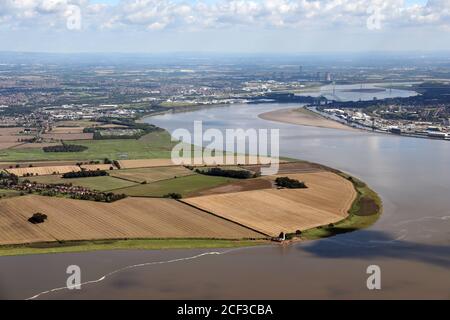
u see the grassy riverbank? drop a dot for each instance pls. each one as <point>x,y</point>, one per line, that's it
<point>132,244</point>
<point>365,211</point>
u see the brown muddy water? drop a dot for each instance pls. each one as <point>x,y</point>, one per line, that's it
<point>410,242</point>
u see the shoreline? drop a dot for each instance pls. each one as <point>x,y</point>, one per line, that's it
<point>360,215</point>
<point>76,246</point>
<point>304,117</point>
<point>364,211</point>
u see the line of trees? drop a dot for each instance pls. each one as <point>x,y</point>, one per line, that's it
<point>99,197</point>
<point>85,174</point>
<point>229,173</point>
<point>65,148</point>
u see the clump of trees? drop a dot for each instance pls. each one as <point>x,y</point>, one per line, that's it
<point>65,148</point>
<point>286,182</point>
<point>230,173</point>
<point>173,195</point>
<point>117,164</point>
<point>8,179</point>
<point>38,218</point>
<point>85,174</point>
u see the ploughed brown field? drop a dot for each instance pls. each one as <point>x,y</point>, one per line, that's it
<point>271,211</point>
<point>10,137</point>
<point>128,218</point>
<point>237,186</point>
<point>10,131</point>
<point>7,145</point>
<point>35,145</point>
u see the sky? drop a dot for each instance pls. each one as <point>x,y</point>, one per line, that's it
<point>250,26</point>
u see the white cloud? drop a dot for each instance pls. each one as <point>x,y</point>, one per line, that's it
<point>162,14</point>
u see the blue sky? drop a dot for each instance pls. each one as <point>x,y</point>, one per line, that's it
<point>224,25</point>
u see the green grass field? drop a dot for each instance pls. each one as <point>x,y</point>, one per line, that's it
<point>137,244</point>
<point>183,185</point>
<point>4,193</point>
<point>174,104</point>
<point>97,183</point>
<point>153,145</point>
<point>151,174</point>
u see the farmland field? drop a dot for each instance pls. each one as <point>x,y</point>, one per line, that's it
<point>67,136</point>
<point>8,193</point>
<point>144,163</point>
<point>157,145</point>
<point>183,185</point>
<point>34,145</point>
<point>66,130</point>
<point>205,161</point>
<point>104,183</point>
<point>10,137</point>
<point>151,174</point>
<point>78,123</point>
<point>129,218</point>
<point>5,165</point>
<point>326,200</point>
<point>238,185</point>
<point>290,166</point>
<point>7,145</point>
<point>100,166</point>
<point>43,170</point>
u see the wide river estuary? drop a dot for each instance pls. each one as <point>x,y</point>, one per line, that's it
<point>410,242</point>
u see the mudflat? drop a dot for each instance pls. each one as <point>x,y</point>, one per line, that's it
<point>304,117</point>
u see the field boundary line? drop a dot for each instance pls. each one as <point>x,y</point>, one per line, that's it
<point>229,220</point>
<point>121,178</point>
<point>139,182</point>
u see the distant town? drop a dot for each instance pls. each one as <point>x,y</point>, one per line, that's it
<point>36,96</point>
